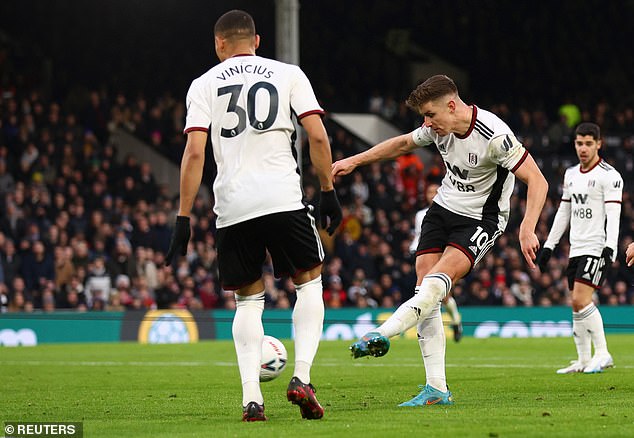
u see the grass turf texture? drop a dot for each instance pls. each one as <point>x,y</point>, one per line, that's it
<point>501,387</point>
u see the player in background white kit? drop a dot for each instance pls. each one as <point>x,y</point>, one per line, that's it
<point>591,204</point>
<point>450,304</point>
<point>247,103</point>
<point>470,210</point>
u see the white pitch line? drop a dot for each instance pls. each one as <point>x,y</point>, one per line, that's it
<point>232,364</point>
<point>104,363</point>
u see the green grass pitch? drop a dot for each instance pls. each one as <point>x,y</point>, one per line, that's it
<point>501,387</point>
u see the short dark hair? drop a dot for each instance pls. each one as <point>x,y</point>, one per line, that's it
<point>588,128</point>
<point>235,24</point>
<point>433,88</point>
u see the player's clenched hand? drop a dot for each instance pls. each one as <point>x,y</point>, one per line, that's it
<point>329,208</point>
<point>343,167</point>
<point>529,244</point>
<point>629,254</point>
<point>180,239</point>
<point>542,259</point>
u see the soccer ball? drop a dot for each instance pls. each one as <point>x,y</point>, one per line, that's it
<point>274,358</point>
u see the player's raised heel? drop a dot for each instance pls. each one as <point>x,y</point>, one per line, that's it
<point>253,412</point>
<point>429,395</point>
<point>303,395</point>
<point>372,344</point>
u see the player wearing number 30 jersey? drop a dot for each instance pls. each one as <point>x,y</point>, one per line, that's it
<point>248,103</point>
<point>591,204</point>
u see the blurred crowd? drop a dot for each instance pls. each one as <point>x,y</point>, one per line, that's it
<point>83,228</point>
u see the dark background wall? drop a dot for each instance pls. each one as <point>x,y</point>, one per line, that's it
<point>519,52</point>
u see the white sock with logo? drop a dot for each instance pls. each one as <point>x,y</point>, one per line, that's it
<point>308,322</point>
<point>432,289</point>
<point>581,335</point>
<point>248,334</point>
<point>432,342</point>
<point>594,324</point>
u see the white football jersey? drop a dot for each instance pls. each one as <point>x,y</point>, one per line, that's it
<point>479,179</point>
<point>584,197</point>
<point>248,101</point>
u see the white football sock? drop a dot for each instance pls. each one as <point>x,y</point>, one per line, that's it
<point>308,323</point>
<point>432,289</point>
<point>432,342</point>
<point>248,334</point>
<point>594,324</point>
<point>581,336</point>
<point>452,310</point>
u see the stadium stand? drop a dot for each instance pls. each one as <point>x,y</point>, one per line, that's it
<point>84,228</point>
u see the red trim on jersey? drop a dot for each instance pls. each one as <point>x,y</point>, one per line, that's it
<point>466,252</point>
<point>310,113</point>
<point>429,251</point>
<point>474,116</point>
<point>586,282</point>
<point>595,165</point>
<point>519,163</point>
<point>616,202</point>
<point>195,128</point>
<point>243,54</point>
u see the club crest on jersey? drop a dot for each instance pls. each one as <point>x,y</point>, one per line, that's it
<point>473,159</point>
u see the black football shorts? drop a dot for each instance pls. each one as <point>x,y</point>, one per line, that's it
<point>589,270</point>
<point>291,238</point>
<point>442,228</point>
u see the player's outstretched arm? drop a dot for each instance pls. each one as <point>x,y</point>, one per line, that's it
<point>386,150</point>
<point>535,198</point>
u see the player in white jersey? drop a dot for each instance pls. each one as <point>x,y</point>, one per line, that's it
<point>450,304</point>
<point>591,204</point>
<point>629,254</point>
<point>247,102</point>
<point>469,212</point>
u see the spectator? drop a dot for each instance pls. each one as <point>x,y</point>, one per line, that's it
<point>334,293</point>
<point>98,283</point>
<point>64,268</point>
<point>37,267</point>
